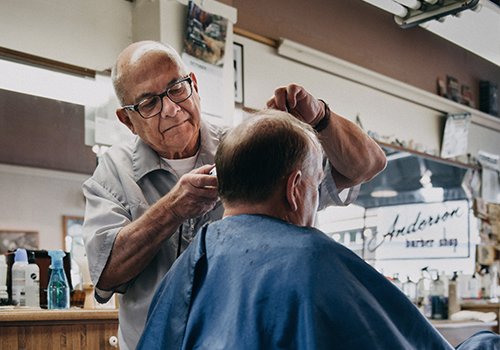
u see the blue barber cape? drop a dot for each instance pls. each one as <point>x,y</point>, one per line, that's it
<point>257,282</point>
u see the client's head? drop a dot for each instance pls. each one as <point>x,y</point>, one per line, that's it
<point>270,164</point>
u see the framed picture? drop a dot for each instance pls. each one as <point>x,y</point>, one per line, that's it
<point>72,235</point>
<point>11,240</point>
<point>238,72</point>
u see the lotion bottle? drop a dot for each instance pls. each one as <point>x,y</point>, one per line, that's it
<point>32,282</point>
<point>3,278</point>
<point>19,277</point>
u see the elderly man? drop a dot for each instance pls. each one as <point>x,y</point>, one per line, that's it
<point>148,197</point>
<point>262,278</point>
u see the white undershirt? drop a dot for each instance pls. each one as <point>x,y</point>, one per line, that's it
<point>182,166</point>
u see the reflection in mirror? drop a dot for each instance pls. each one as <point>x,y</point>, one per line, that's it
<point>412,177</point>
<point>413,188</point>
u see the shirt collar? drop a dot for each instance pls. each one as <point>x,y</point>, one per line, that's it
<point>146,160</point>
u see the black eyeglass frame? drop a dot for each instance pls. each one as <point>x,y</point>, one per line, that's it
<point>161,96</point>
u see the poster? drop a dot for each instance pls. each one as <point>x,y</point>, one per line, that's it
<point>421,231</point>
<point>204,51</point>
<point>205,35</point>
<point>456,133</point>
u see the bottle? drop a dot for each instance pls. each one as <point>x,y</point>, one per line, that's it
<point>486,285</point>
<point>423,286</point>
<point>410,289</point>
<point>3,278</point>
<point>453,296</point>
<point>397,282</point>
<point>19,277</point>
<point>58,288</point>
<point>32,282</point>
<point>475,287</point>
<point>437,299</point>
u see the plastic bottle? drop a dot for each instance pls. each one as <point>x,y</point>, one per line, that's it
<point>397,282</point>
<point>486,285</point>
<point>423,286</point>
<point>475,287</point>
<point>32,282</point>
<point>410,289</point>
<point>58,288</point>
<point>3,278</point>
<point>453,296</point>
<point>437,299</point>
<point>19,277</point>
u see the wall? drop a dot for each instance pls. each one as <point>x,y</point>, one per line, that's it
<point>36,199</point>
<point>88,33</point>
<point>386,114</point>
<point>360,33</point>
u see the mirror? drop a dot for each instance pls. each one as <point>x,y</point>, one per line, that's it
<point>413,177</point>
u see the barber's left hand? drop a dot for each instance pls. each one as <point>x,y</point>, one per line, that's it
<point>295,100</point>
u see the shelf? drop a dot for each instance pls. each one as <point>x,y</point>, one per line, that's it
<point>429,156</point>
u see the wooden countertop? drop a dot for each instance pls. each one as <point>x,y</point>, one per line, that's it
<point>29,315</point>
<point>441,324</point>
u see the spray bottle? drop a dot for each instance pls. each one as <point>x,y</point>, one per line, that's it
<point>19,277</point>
<point>397,282</point>
<point>437,298</point>
<point>32,282</point>
<point>58,288</point>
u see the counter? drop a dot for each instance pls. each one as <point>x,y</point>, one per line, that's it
<point>483,306</point>
<point>40,329</point>
<point>458,331</point>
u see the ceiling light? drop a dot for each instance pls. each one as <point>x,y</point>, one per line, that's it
<point>412,4</point>
<point>389,6</point>
<point>432,11</point>
<point>383,192</point>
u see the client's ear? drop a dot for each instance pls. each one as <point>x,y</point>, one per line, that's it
<point>292,191</point>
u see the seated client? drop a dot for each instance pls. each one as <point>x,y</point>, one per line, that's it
<point>263,278</point>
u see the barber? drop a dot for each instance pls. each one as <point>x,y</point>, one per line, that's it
<point>149,196</point>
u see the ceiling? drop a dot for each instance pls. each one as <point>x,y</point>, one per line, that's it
<point>403,174</point>
<point>476,30</point>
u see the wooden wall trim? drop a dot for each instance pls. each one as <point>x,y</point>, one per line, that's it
<point>45,62</point>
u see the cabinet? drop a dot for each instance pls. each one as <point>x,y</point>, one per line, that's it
<point>57,329</point>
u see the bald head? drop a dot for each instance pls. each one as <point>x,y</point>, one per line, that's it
<point>253,160</point>
<point>139,58</point>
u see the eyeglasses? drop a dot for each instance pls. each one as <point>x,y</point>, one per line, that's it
<point>152,106</point>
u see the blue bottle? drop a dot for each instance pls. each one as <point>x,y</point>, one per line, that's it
<point>58,288</point>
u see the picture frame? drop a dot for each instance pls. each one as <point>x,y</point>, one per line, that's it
<point>238,72</point>
<point>72,235</point>
<point>10,240</point>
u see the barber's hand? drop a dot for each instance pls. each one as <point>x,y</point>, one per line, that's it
<point>194,194</point>
<point>295,100</point>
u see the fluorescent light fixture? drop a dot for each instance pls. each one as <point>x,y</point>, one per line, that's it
<point>434,11</point>
<point>412,4</point>
<point>389,6</point>
<point>383,192</point>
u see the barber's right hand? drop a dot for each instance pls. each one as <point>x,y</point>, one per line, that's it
<point>194,194</point>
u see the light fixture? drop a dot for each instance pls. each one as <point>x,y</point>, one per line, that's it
<point>389,6</point>
<point>434,10</point>
<point>384,190</point>
<point>411,4</point>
